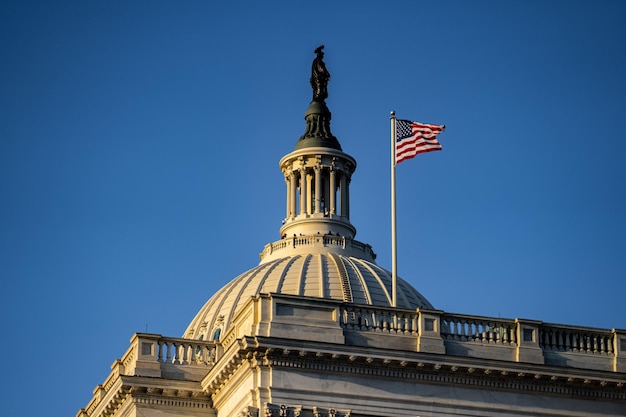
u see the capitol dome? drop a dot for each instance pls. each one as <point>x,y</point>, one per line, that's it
<point>328,275</point>
<point>317,255</point>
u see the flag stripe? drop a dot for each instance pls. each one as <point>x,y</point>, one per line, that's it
<point>413,138</point>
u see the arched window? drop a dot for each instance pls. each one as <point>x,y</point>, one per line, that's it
<point>216,334</point>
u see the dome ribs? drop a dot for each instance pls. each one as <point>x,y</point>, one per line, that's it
<point>283,275</point>
<point>299,290</point>
<point>343,275</point>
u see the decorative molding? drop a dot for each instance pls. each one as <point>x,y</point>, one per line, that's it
<point>250,412</point>
<point>273,410</point>
<point>330,412</point>
<point>442,373</point>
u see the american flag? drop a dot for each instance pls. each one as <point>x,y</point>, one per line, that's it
<point>414,137</point>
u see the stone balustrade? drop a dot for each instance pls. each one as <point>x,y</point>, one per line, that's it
<point>383,320</point>
<point>158,356</point>
<point>488,330</point>
<point>185,351</point>
<point>435,331</point>
<point>576,339</point>
<point>291,245</point>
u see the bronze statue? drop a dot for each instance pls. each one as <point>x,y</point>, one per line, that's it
<point>319,76</point>
<point>317,116</point>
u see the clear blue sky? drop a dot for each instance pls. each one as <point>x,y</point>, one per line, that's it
<point>139,148</point>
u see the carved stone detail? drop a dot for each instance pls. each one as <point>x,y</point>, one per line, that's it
<point>330,412</point>
<point>250,412</point>
<point>274,410</point>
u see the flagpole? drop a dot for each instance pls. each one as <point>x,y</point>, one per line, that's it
<point>394,266</point>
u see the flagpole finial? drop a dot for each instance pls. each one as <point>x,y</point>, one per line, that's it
<point>393,113</point>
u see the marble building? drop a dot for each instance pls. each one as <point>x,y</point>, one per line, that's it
<point>312,331</point>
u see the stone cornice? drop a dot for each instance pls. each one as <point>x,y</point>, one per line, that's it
<point>427,368</point>
<point>140,390</point>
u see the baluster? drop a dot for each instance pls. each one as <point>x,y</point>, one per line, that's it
<point>195,353</point>
<point>366,319</point>
<point>186,353</point>
<point>576,342</point>
<point>200,355</point>
<point>407,324</point>
<point>208,354</point>
<point>560,340</point>
<point>396,322</point>
<point>385,321</point>
<point>596,348</point>
<point>463,331</point>
<point>363,324</point>
<point>568,344</point>
<point>514,334</point>
<point>394,325</point>
<point>483,337</point>
<point>552,339</point>
<point>160,353</point>
<point>375,321</point>
<point>176,347</point>
<point>168,358</point>
<point>211,352</point>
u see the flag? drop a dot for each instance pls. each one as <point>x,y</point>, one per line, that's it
<point>414,137</point>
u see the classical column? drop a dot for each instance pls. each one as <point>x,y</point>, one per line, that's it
<point>292,195</point>
<point>325,194</point>
<point>348,197</point>
<point>303,209</point>
<point>309,193</point>
<point>287,199</point>
<point>333,190</point>
<point>343,194</point>
<point>318,187</point>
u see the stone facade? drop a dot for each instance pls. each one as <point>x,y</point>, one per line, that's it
<point>353,360</point>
